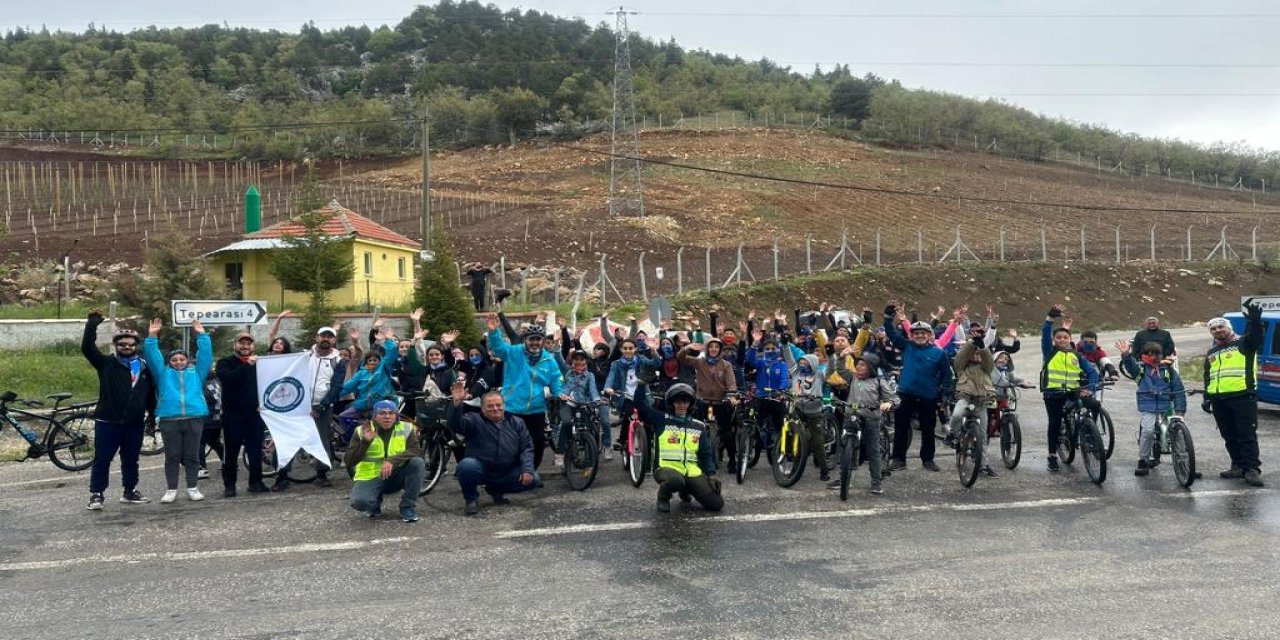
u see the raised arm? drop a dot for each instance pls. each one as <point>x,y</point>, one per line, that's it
<point>89,343</point>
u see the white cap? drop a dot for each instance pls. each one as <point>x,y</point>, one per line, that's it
<point>1218,322</point>
<point>326,330</point>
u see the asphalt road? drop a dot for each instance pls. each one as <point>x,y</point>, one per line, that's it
<point>1028,554</point>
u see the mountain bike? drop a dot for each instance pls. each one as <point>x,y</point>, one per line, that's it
<point>748,441</point>
<point>789,451</point>
<point>969,444</point>
<point>68,441</point>
<point>1003,425</point>
<point>438,443</point>
<point>1079,431</point>
<point>582,460</point>
<point>1173,439</point>
<point>850,445</point>
<point>1106,428</point>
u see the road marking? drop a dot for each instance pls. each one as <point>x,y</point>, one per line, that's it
<point>114,474</point>
<point>1215,492</point>
<point>200,555</point>
<point>801,515</point>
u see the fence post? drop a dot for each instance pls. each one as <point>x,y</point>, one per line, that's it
<point>738,269</point>
<point>1117,243</point>
<point>524,285</point>
<point>680,271</point>
<point>1044,247</point>
<point>708,269</point>
<point>604,282</point>
<point>808,254</point>
<point>555,295</point>
<point>502,270</point>
<point>920,246</point>
<point>1083,258</point>
<point>1189,258</point>
<point>844,244</point>
<point>644,291</point>
<point>1153,243</point>
<point>775,259</point>
<point>1001,243</point>
<point>877,247</point>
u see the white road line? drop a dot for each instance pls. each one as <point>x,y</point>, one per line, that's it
<point>800,515</point>
<point>1215,492</point>
<point>199,555</point>
<point>79,476</point>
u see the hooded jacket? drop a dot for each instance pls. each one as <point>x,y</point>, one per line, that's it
<point>523,381</point>
<point>808,387</point>
<point>1003,379</point>
<point>372,386</point>
<point>712,381</point>
<point>181,393</point>
<point>771,375</point>
<point>973,379</point>
<point>1159,388</point>
<point>120,399</point>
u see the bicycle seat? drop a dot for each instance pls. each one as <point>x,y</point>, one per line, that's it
<point>58,397</point>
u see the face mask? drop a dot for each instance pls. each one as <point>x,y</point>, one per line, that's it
<point>730,340</point>
<point>804,369</point>
<point>712,360</point>
<point>667,351</point>
<point>640,345</point>
<point>1088,347</point>
<point>476,360</point>
<point>769,356</point>
<point>730,356</point>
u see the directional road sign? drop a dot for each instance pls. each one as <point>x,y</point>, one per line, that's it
<point>215,313</point>
<point>1268,303</point>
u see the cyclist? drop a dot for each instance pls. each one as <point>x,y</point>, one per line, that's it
<point>529,371</point>
<point>386,459</point>
<point>714,380</point>
<point>686,459</point>
<point>873,395</point>
<point>926,370</point>
<point>1060,379</point>
<point>579,387</point>
<point>623,381</point>
<point>1093,352</point>
<point>126,394</point>
<point>974,365</point>
<point>1229,391</point>
<point>806,385</point>
<point>1160,391</point>
<point>180,409</point>
<point>772,375</point>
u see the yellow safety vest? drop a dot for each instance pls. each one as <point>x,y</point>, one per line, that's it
<point>1228,371</point>
<point>678,447</point>
<point>370,467</point>
<point>1063,372</point>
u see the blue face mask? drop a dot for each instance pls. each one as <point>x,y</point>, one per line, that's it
<point>476,360</point>
<point>769,356</point>
<point>804,369</point>
<point>712,360</point>
<point>640,344</point>
<point>1087,347</point>
<point>729,355</point>
<point>667,351</point>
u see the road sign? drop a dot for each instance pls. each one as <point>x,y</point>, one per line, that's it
<point>1269,303</point>
<point>216,313</point>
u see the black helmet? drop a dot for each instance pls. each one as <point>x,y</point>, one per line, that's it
<point>871,359</point>
<point>533,331</point>
<point>121,334</point>
<point>677,390</point>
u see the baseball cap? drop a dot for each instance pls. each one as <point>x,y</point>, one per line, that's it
<point>328,330</point>
<point>1218,322</point>
<point>243,335</point>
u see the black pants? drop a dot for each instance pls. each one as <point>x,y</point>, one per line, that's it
<point>477,295</point>
<point>673,482</point>
<point>770,414</point>
<point>926,411</point>
<point>536,423</point>
<point>110,439</point>
<point>1056,408</point>
<point>722,421</point>
<point>246,432</point>
<point>1237,420</point>
<point>211,441</point>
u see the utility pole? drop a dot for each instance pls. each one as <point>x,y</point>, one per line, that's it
<point>625,164</point>
<point>424,225</point>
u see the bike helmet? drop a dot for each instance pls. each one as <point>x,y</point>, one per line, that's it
<point>125,333</point>
<point>679,390</point>
<point>532,331</point>
<point>922,326</point>
<point>871,359</point>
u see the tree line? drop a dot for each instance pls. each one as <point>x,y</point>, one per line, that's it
<point>493,76</point>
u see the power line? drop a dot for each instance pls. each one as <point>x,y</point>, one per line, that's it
<point>900,192</point>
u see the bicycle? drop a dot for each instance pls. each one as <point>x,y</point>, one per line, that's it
<point>748,441</point>
<point>582,460</point>
<point>152,439</point>
<point>635,449</point>
<point>68,442</point>
<point>1080,431</point>
<point>1173,439</point>
<point>438,443</point>
<point>850,444</point>
<point>1106,428</point>
<point>968,444</point>
<point>1003,424</point>
<point>789,452</point>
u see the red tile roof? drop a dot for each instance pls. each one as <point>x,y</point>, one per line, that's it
<point>342,222</point>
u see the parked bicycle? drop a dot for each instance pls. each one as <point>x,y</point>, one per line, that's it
<point>1079,431</point>
<point>582,459</point>
<point>67,440</point>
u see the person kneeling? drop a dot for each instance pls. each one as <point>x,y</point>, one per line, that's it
<point>386,460</point>
<point>686,457</point>
<point>499,450</point>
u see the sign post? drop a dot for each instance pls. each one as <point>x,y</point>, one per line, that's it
<point>218,313</point>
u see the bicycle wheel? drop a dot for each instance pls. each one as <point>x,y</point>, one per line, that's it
<point>830,437</point>
<point>789,454</point>
<point>1182,453</point>
<point>886,443</point>
<point>435,455</point>
<point>848,451</point>
<point>637,456</point>
<point>743,447</point>
<point>1010,441</point>
<point>1108,431</point>
<point>1093,451</point>
<point>1067,443</point>
<point>581,462</point>
<point>757,442</point>
<point>70,442</point>
<point>152,441</point>
<point>969,454</point>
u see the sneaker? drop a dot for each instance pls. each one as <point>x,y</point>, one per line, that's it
<point>1254,478</point>
<point>989,472</point>
<point>885,472</point>
<point>281,484</point>
<point>169,496</point>
<point>898,465</point>
<point>930,465</point>
<point>876,489</point>
<point>323,481</point>
<point>134,497</point>
<point>471,508</point>
<point>664,506</point>
<point>408,515</point>
<point>376,513</point>
<point>559,460</point>
<point>258,488</point>
<point>1053,465</point>
<point>1143,468</point>
<point>229,492</point>
<point>194,494</point>
<point>1234,473</point>
<point>833,484</point>
<point>202,474</point>
<point>95,502</point>
<point>36,451</point>
<point>617,446</point>
<point>608,455</point>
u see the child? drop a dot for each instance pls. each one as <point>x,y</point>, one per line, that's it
<point>580,388</point>
<point>806,386</point>
<point>1160,390</point>
<point>973,365</point>
<point>869,392</point>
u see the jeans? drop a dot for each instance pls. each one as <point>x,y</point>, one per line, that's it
<point>1056,408</point>
<point>242,431</point>
<point>366,495</point>
<point>871,445</point>
<point>672,482</point>
<point>471,474</point>
<point>1147,435</point>
<point>1237,420</point>
<point>926,411</point>
<point>182,438</point>
<point>108,439</point>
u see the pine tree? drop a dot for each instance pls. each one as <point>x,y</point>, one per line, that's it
<point>445,306</point>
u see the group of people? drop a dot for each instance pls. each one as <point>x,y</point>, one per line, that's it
<point>505,398</point>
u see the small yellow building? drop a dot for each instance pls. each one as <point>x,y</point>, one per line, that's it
<point>384,262</point>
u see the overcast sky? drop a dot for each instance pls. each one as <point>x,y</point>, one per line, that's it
<point>1198,71</point>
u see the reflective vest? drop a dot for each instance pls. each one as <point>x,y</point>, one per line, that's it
<point>370,467</point>
<point>1228,371</point>
<point>678,447</point>
<point>1063,372</point>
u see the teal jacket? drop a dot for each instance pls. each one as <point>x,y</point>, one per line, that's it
<point>371,386</point>
<point>523,382</point>
<point>181,393</point>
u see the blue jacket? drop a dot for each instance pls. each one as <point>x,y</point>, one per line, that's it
<point>580,387</point>
<point>181,393</point>
<point>1158,391</point>
<point>370,387</point>
<point>523,383</point>
<point>500,447</point>
<point>925,370</point>
<point>1047,351</point>
<point>770,376</point>
<point>617,379</point>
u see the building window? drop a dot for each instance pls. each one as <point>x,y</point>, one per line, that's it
<point>234,272</point>
<point>368,264</point>
<point>400,267</point>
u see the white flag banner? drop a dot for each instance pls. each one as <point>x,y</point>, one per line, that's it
<point>284,400</point>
